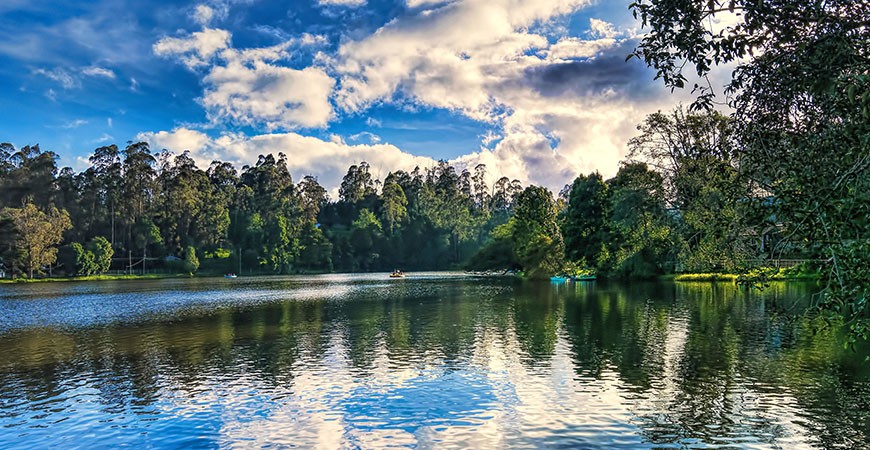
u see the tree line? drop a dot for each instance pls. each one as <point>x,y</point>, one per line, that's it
<point>678,202</point>
<point>132,207</point>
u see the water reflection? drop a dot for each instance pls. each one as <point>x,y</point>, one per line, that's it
<point>440,361</point>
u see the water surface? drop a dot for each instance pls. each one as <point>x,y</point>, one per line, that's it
<point>432,360</point>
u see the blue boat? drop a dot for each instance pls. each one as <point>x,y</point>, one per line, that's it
<point>584,278</point>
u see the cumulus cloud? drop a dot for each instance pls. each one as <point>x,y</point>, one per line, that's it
<point>601,29</point>
<point>365,136</point>
<point>561,108</point>
<point>559,105</point>
<point>203,14</point>
<point>328,160</point>
<point>261,93</point>
<point>248,87</point>
<point>195,50</point>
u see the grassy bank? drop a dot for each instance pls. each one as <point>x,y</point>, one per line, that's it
<point>702,277</point>
<point>767,274</point>
<point>155,276</point>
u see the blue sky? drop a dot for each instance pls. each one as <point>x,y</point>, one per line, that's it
<point>536,90</point>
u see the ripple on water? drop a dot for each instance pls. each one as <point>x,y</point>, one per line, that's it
<point>447,362</point>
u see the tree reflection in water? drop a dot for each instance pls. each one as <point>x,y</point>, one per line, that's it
<point>456,360</point>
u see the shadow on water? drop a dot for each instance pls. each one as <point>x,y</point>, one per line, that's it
<point>441,360</point>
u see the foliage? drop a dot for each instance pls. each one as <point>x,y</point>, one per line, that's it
<point>584,221</point>
<point>696,156</point>
<point>801,95</point>
<point>37,235</point>
<point>191,262</point>
<point>94,259</point>
<point>706,277</point>
<point>538,246</point>
<point>498,253</point>
<point>395,206</point>
<point>642,237</point>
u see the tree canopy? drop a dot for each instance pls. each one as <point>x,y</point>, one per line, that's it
<point>800,92</point>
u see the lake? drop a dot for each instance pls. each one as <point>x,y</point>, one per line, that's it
<point>432,360</point>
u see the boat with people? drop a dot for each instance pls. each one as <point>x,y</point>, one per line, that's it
<point>397,274</point>
<point>231,275</point>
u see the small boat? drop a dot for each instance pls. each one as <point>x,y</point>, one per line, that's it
<point>231,275</point>
<point>589,277</point>
<point>558,279</point>
<point>397,274</point>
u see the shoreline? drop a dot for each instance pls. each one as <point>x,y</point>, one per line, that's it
<point>680,278</point>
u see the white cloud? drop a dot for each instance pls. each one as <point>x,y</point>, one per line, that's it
<point>425,3</point>
<point>95,71</point>
<point>601,29</point>
<point>374,123</point>
<point>247,86</point>
<point>562,108</point>
<point>105,137</point>
<point>195,50</point>
<point>559,105</point>
<point>328,160</point>
<point>576,48</point>
<point>203,14</point>
<point>67,80</point>
<point>261,93</point>
<point>177,140</point>
<point>347,3</point>
<point>74,124</point>
<point>365,136</point>
<point>488,138</point>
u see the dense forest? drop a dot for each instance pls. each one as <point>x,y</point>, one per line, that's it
<point>679,202</point>
<point>132,207</point>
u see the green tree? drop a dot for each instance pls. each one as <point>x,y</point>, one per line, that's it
<point>538,245</point>
<point>38,234</point>
<point>191,262</point>
<point>585,219</point>
<point>357,184</point>
<point>366,232</point>
<point>139,175</point>
<point>641,236</point>
<point>106,171</point>
<point>697,157</point>
<point>395,206</point>
<point>498,253</point>
<point>29,176</point>
<point>800,90</point>
<point>103,252</point>
<point>84,260</point>
<point>313,197</point>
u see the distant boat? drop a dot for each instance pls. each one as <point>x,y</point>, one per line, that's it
<point>584,277</point>
<point>558,279</point>
<point>231,275</point>
<point>397,274</point>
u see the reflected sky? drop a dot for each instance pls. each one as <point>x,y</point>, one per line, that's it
<point>446,361</point>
